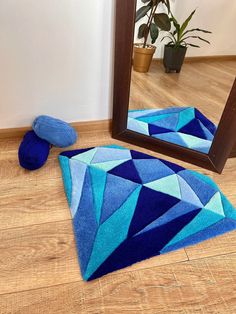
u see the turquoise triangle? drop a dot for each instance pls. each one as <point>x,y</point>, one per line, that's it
<point>229,210</point>
<point>168,185</point>
<point>65,167</point>
<point>112,233</point>
<point>185,117</point>
<point>98,178</point>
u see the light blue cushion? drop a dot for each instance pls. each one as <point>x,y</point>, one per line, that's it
<point>54,131</point>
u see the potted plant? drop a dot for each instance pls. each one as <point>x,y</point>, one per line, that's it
<point>176,49</point>
<point>143,52</point>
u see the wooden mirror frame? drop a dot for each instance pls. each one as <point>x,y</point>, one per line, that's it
<point>223,145</point>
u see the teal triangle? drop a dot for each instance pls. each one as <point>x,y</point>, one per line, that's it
<point>168,185</point>
<point>215,204</point>
<point>185,117</point>
<point>202,221</point>
<point>229,210</point>
<point>109,165</point>
<point>86,157</point>
<point>65,167</point>
<point>154,118</point>
<point>112,233</point>
<point>98,178</point>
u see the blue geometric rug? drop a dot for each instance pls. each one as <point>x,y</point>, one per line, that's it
<point>184,126</point>
<point>128,206</point>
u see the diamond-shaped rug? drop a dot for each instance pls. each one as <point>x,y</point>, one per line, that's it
<point>184,126</point>
<point>128,206</point>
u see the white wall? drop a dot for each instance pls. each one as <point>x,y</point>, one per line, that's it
<point>56,55</point>
<point>214,15</point>
<point>56,59</point>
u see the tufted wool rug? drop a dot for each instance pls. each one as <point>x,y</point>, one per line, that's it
<point>128,206</point>
<point>184,126</point>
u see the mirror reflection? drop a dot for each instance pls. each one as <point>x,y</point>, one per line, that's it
<point>172,98</point>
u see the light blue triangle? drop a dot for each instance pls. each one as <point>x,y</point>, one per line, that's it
<point>193,141</point>
<point>172,137</point>
<point>98,178</point>
<point>169,122</point>
<point>113,200</point>
<point>185,117</point>
<point>78,171</point>
<point>86,157</point>
<point>203,220</point>
<point>112,233</point>
<point>104,154</point>
<point>107,166</point>
<point>138,126</point>
<point>203,178</point>
<point>215,204</point>
<point>187,194</point>
<point>151,169</point>
<point>168,185</point>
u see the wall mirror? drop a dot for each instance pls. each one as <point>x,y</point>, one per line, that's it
<point>188,114</point>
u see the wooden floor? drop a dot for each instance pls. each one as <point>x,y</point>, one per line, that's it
<point>39,272</point>
<point>204,85</point>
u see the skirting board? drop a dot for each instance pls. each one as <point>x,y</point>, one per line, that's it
<point>207,58</point>
<point>81,127</point>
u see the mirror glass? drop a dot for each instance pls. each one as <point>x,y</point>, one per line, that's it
<point>175,99</point>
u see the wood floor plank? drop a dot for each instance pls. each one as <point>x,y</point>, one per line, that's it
<point>45,255</point>
<point>201,286</point>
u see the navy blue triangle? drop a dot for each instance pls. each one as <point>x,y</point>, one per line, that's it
<point>151,205</point>
<point>174,167</point>
<point>206,122</point>
<point>72,153</point>
<point>194,128</point>
<point>143,246</point>
<point>127,171</point>
<point>138,155</point>
<point>154,129</point>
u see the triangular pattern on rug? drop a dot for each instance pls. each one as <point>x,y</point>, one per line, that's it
<point>139,208</point>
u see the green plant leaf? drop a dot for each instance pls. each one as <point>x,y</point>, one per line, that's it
<point>192,45</point>
<point>196,30</point>
<point>162,21</point>
<point>172,40</point>
<point>186,22</point>
<point>196,37</point>
<point>142,12</point>
<point>154,32</point>
<point>142,30</point>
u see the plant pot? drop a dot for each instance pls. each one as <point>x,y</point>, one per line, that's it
<point>143,57</point>
<point>174,58</point>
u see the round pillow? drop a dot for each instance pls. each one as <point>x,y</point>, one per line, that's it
<point>54,131</point>
<point>33,151</point>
